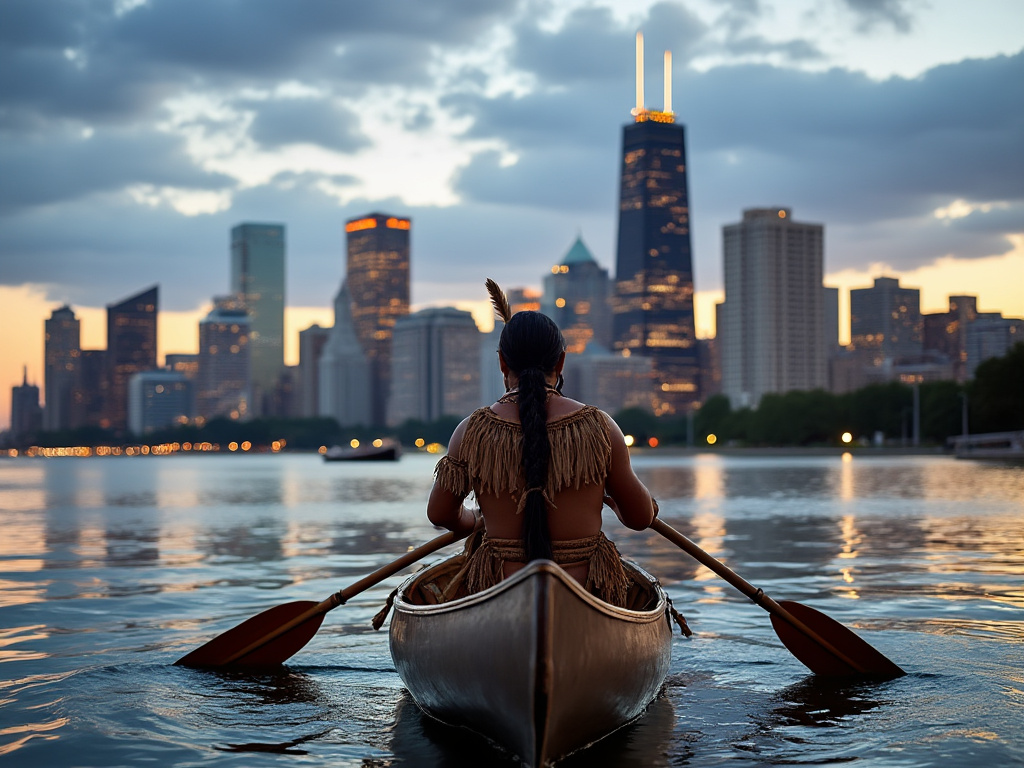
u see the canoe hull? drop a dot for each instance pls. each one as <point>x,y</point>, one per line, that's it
<point>536,663</point>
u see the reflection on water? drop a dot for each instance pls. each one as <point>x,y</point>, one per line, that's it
<point>111,568</point>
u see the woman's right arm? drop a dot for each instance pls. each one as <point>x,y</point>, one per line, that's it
<point>445,508</point>
<point>629,498</point>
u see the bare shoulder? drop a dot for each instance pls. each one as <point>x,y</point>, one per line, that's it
<point>455,443</point>
<point>560,407</point>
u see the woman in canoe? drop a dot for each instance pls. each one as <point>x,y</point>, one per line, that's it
<point>541,465</point>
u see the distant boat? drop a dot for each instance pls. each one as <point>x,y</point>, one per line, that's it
<point>388,450</point>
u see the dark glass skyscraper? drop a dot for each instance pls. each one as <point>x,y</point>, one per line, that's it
<point>63,351</point>
<point>131,348</point>
<point>257,277</point>
<point>377,273</point>
<point>653,305</point>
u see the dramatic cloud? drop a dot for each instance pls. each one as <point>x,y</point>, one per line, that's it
<point>133,136</point>
<point>875,12</point>
<point>310,121</point>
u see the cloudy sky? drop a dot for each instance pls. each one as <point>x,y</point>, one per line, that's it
<point>135,133</point>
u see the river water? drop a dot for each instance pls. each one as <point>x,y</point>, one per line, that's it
<point>113,568</point>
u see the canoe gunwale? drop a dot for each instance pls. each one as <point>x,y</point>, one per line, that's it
<point>402,603</point>
<point>537,702</point>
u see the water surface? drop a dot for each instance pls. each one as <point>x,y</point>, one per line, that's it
<point>113,568</point>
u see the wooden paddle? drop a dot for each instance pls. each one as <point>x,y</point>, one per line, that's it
<point>272,637</point>
<point>821,643</point>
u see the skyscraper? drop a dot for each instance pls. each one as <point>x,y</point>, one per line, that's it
<point>224,380</point>
<point>576,297</point>
<point>653,306</point>
<point>131,348</point>
<point>377,274</point>
<point>772,322</point>
<point>157,400</point>
<point>311,345</point>
<point>885,320</point>
<point>435,366</point>
<point>26,416</point>
<point>946,332</point>
<point>345,385</point>
<point>257,277</point>
<point>62,357</point>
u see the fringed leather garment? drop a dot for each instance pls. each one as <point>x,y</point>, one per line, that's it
<point>490,462</point>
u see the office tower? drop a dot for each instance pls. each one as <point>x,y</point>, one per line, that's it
<point>224,380</point>
<point>946,332</point>
<point>492,381</point>
<point>187,364</point>
<point>131,349</point>
<point>435,368</point>
<point>157,400</point>
<point>378,281</point>
<point>26,415</point>
<point>608,381</point>
<point>990,335</point>
<point>576,297</point>
<point>771,328</point>
<point>61,355</point>
<point>885,320</point>
<point>346,376</point>
<point>523,300</point>
<point>311,344</point>
<point>830,297</point>
<point>653,305</point>
<point>257,277</point>
<point>710,367</point>
<point>91,393</point>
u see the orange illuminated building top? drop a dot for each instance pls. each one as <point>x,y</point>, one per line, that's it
<point>371,223</point>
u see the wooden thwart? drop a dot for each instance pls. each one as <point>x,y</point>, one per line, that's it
<point>821,643</point>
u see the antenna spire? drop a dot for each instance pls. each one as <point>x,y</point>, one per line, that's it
<point>640,112</point>
<point>668,82</point>
<point>639,74</point>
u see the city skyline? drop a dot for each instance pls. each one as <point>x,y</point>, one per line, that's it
<point>124,173</point>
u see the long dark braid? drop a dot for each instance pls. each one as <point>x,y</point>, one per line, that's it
<point>531,345</point>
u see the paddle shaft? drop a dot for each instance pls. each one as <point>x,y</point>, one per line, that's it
<point>343,596</point>
<point>756,595</point>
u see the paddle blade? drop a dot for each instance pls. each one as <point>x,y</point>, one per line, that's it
<point>820,660</point>
<point>219,651</point>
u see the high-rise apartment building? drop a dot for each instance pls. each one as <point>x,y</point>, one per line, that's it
<point>224,379</point>
<point>885,320</point>
<point>311,345</point>
<point>772,329</point>
<point>185,363</point>
<point>257,277</point>
<point>158,400</point>
<point>61,361</point>
<point>608,381</point>
<point>435,366</point>
<point>345,387</point>
<point>89,408</point>
<point>653,305</point>
<point>576,297</point>
<point>946,332</point>
<point>523,299</point>
<point>377,274</point>
<point>131,349</point>
<point>991,335</point>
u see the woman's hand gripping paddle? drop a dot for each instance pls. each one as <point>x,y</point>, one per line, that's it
<point>272,637</point>
<point>821,643</point>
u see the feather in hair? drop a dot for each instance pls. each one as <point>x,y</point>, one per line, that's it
<point>499,300</point>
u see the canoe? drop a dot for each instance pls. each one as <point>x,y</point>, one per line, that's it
<point>536,663</point>
<point>389,450</point>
